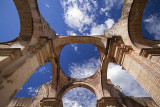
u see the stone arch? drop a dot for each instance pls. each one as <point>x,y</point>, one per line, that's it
<point>129,26</point>
<point>25,16</point>
<point>104,77</point>
<point>99,42</point>
<point>75,85</point>
<point>61,41</point>
<point>32,25</point>
<point>30,22</point>
<point>134,26</point>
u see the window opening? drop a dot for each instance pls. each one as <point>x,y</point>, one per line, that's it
<point>79,60</point>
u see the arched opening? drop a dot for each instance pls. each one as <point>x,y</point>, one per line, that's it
<point>9,21</point>
<point>79,60</point>
<point>124,81</point>
<point>150,21</point>
<point>38,78</point>
<point>79,97</point>
<point>125,88</point>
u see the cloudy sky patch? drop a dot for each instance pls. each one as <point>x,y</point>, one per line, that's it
<point>152,25</point>
<point>85,69</point>
<point>76,13</point>
<point>75,47</point>
<point>80,15</point>
<point>122,78</point>
<point>79,97</point>
<point>32,91</point>
<point>99,29</point>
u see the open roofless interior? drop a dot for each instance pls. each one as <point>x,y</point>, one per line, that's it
<point>80,53</point>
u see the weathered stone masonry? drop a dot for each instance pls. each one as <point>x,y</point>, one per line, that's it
<point>38,43</point>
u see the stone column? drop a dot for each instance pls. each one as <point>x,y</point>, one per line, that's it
<point>51,102</point>
<point>18,67</point>
<point>15,75</point>
<point>108,102</point>
<point>145,72</point>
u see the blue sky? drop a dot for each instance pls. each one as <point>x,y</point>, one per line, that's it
<point>80,17</point>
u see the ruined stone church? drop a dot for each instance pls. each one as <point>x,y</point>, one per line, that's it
<point>37,44</point>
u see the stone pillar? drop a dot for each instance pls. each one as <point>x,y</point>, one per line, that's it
<point>145,72</point>
<point>18,67</point>
<point>51,102</point>
<point>15,75</point>
<point>108,102</point>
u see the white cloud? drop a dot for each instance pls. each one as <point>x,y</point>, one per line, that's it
<point>81,14</point>
<point>78,14</point>
<point>71,33</point>
<point>32,91</point>
<point>111,3</point>
<point>70,103</point>
<point>75,47</point>
<point>47,5</point>
<point>42,69</point>
<point>85,69</point>
<point>75,18</point>
<point>125,81</point>
<point>103,10</point>
<point>79,97</point>
<point>99,29</point>
<point>109,23</point>
<point>107,14</point>
<point>94,3</point>
<point>152,25</point>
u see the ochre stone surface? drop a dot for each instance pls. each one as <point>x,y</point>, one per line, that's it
<point>117,99</point>
<point>38,43</point>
